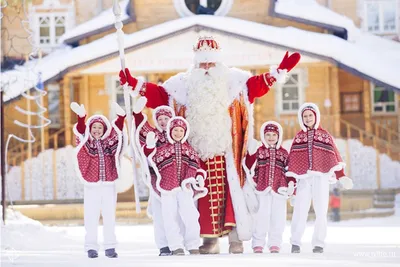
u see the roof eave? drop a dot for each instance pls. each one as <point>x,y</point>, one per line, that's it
<point>198,27</point>
<point>132,18</point>
<point>335,29</point>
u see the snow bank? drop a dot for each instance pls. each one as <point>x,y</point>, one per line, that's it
<point>21,233</point>
<point>39,177</point>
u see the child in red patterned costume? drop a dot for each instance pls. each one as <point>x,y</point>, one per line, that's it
<point>265,171</point>
<point>179,180</point>
<point>315,162</point>
<point>161,116</point>
<point>98,155</point>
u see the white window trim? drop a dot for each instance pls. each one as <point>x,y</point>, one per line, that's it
<point>37,11</point>
<point>54,87</point>
<point>184,11</point>
<point>302,83</point>
<point>381,113</point>
<point>111,89</point>
<point>52,16</point>
<point>381,26</point>
<point>112,95</point>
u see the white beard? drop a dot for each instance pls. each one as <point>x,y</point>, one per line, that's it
<point>208,111</point>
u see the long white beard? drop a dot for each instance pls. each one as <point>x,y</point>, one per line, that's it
<point>208,111</point>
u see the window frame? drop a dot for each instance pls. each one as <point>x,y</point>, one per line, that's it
<point>382,113</point>
<point>301,90</point>
<point>184,11</point>
<point>52,27</point>
<point>55,123</point>
<point>342,102</point>
<point>381,17</point>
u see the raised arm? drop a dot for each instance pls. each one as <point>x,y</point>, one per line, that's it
<point>251,155</point>
<point>259,85</point>
<point>150,145</point>
<point>156,95</point>
<point>81,114</point>
<point>138,109</point>
<point>119,121</point>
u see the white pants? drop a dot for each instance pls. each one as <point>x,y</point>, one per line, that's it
<point>180,204</point>
<point>100,198</point>
<point>271,219</point>
<point>317,189</point>
<point>158,223</point>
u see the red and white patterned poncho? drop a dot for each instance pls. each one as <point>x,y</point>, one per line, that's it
<point>313,151</point>
<point>265,169</point>
<point>143,127</point>
<point>176,164</point>
<point>98,161</point>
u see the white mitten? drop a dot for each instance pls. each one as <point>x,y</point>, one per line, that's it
<point>253,146</point>
<point>290,189</point>
<point>79,110</point>
<point>151,140</point>
<point>346,182</point>
<point>200,180</point>
<point>139,105</point>
<point>118,110</point>
<point>283,190</point>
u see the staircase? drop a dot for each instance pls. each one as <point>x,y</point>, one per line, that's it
<point>384,199</point>
<point>19,152</point>
<point>384,144</point>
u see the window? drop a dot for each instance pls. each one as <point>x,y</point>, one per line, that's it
<point>351,102</point>
<point>381,16</point>
<point>49,21</point>
<point>290,94</point>
<point>116,92</point>
<point>199,6</point>
<point>209,7</point>
<point>119,94</point>
<point>383,101</point>
<point>53,96</point>
<point>51,27</point>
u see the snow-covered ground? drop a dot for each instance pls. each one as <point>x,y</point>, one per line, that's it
<point>365,242</point>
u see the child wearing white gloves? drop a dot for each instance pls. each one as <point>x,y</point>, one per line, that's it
<point>265,170</point>
<point>180,181</point>
<point>161,116</point>
<point>313,161</point>
<point>100,145</point>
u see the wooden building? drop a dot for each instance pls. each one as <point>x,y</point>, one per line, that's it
<point>340,49</point>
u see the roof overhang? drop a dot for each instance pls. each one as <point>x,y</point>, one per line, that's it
<point>173,53</point>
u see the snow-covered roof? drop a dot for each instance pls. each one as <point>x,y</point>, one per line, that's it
<point>360,60</point>
<point>312,12</point>
<point>102,22</point>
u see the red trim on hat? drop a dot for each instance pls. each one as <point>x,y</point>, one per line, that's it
<point>99,120</point>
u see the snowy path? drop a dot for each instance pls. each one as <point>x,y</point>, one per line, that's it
<point>367,242</point>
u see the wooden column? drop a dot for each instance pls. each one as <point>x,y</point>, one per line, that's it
<point>22,179</point>
<point>29,152</point>
<point>67,110</point>
<point>335,99</point>
<point>54,165</point>
<point>85,92</point>
<point>366,103</point>
<point>327,90</point>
